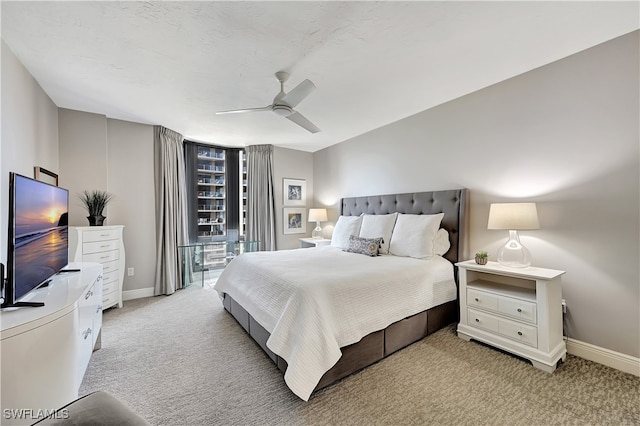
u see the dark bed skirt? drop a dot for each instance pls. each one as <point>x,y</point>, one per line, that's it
<point>371,349</point>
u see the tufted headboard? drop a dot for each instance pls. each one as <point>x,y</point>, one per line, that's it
<point>450,202</point>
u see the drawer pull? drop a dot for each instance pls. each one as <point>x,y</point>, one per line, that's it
<point>477,300</point>
<point>86,333</point>
<point>519,309</point>
<point>477,320</point>
<point>105,246</point>
<point>88,295</point>
<point>104,235</point>
<point>104,257</point>
<point>519,333</point>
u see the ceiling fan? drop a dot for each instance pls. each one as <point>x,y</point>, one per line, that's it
<point>283,103</point>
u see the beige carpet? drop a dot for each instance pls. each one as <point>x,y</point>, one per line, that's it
<point>182,360</point>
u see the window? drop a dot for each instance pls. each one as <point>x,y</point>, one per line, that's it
<point>216,181</point>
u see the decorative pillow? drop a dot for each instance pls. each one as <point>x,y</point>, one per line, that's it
<point>441,244</point>
<point>376,225</point>
<point>345,226</point>
<point>414,235</point>
<point>366,246</point>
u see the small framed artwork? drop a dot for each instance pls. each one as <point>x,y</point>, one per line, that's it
<point>45,175</point>
<point>294,192</point>
<point>295,220</point>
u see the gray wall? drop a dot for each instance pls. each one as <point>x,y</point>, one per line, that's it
<point>29,131</point>
<point>83,159</point>
<point>130,178</point>
<point>564,136</point>
<point>291,164</point>
<point>117,156</point>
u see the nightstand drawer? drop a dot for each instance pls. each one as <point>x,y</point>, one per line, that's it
<point>519,309</point>
<point>504,305</point>
<point>523,333</point>
<point>485,321</point>
<point>481,299</point>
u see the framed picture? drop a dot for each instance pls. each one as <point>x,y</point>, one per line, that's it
<point>294,192</point>
<point>295,221</point>
<point>45,175</point>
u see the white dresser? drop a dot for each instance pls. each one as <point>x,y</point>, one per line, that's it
<point>517,310</point>
<point>101,244</point>
<point>45,351</point>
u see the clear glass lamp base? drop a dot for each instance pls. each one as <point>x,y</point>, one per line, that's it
<point>513,254</point>
<point>317,232</point>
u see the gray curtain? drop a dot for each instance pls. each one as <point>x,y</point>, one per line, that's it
<point>171,208</point>
<point>261,215</point>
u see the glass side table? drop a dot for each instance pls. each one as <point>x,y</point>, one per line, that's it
<point>203,262</point>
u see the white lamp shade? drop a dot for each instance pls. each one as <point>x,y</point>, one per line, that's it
<point>317,215</point>
<point>513,216</point>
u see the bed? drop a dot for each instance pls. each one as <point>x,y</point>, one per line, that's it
<point>318,326</point>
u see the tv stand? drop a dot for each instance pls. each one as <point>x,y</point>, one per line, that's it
<point>45,352</point>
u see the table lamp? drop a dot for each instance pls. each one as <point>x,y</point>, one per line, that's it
<point>513,217</point>
<point>317,216</point>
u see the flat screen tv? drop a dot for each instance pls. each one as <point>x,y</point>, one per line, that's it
<point>38,237</point>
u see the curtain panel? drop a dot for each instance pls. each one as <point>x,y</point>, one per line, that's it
<point>261,217</point>
<point>171,208</point>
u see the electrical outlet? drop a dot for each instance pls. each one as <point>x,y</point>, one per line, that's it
<point>130,272</point>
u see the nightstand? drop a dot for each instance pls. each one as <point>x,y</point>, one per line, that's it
<point>314,242</point>
<point>517,310</point>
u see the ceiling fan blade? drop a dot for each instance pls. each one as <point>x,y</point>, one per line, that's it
<point>298,93</point>
<point>301,121</point>
<point>235,111</point>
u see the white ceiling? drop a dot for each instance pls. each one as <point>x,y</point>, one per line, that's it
<point>177,63</point>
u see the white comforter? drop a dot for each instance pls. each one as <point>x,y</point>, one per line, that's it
<point>315,301</point>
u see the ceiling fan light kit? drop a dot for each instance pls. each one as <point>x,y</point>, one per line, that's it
<point>282,110</point>
<point>283,103</point>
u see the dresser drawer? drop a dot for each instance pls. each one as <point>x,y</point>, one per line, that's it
<point>99,246</point>
<point>110,266</point>
<point>109,299</point>
<point>107,256</point>
<point>101,235</point>
<point>110,276</point>
<point>110,287</point>
<point>482,300</point>
<point>519,309</point>
<point>482,320</point>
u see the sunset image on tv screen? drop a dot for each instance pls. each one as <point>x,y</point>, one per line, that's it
<point>41,232</point>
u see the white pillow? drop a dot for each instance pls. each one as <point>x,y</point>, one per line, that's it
<point>345,226</point>
<point>441,244</point>
<point>379,225</point>
<point>414,235</point>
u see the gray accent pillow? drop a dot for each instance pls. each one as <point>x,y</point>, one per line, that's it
<point>366,246</point>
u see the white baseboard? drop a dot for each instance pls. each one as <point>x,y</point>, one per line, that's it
<point>137,294</point>
<point>617,360</point>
